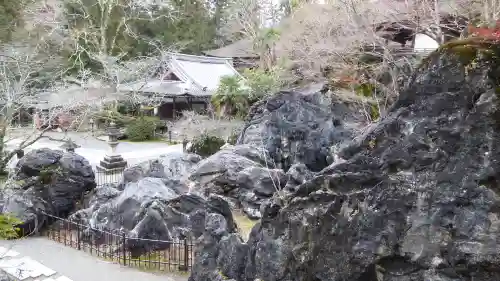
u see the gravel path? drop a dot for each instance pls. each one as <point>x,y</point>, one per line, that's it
<point>77,265</point>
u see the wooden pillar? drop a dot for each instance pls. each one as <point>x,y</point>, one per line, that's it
<point>173,108</point>
<point>208,108</point>
<point>190,103</point>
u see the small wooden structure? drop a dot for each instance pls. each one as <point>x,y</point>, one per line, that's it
<point>181,82</point>
<point>241,51</point>
<point>56,107</point>
<point>170,98</point>
<point>404,30</point>
<point>174,106</point>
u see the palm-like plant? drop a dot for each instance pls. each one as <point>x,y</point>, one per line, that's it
<point>230,98</point>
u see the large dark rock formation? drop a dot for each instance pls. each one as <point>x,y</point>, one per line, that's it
<point>416,199</point>
<point>44,182</point>
<point>288,131</point>
<point>241,175</point>
<point>295,127</point>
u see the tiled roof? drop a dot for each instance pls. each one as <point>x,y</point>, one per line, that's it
<point>203,73</point>
<point>71,96</point>
<point>198,75</point>
<point>166,88</point>
<point>240,49</point>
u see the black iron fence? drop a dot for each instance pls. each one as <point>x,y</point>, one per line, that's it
<point>107,177</point>
<point>175,255</point>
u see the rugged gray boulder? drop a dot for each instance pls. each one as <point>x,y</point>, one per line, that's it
<point>44,182</point>
<point>289,131</point>
<point>416,198</point>
<point>295,127</point>
<point>152,202</point>
<point>219,250</point>
<point>243,175</point>
<point>297,175</point>
<point>174,166</point>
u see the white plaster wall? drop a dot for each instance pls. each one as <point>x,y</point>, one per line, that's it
<point>424,43</point>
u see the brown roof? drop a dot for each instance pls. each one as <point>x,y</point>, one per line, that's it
<point>240,49</point>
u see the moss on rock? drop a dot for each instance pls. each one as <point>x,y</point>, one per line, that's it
<point>46,175</point>
<point>480,58</point>
<point>468,51</point>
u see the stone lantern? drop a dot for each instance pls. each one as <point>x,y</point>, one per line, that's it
<point>69,146</point>
<point>112,162</point>
<point>91,121</point>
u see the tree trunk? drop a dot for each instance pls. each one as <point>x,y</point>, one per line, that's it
<point>3,158</point>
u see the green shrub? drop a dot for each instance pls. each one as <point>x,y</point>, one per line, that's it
<point>366,90</point>
<point>8,227</point>
<point>128,108</point>
<point>206,145</point>
<point>261,83</point>
<point>142,129</point>
<point>105,117</point>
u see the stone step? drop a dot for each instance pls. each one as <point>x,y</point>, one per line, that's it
<point>7,253</point>
<point>26,268</point>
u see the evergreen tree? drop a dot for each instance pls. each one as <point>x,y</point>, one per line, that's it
<point>10,18</point>
<point>120,29</point>
<point>192,29</point>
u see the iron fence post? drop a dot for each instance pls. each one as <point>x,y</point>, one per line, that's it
<point>58,231</point>
<point>78,233</point>
<point>185,266</point>
<point>124,249</point>
<point>186,254</point>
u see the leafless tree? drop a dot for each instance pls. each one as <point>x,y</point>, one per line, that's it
<point>56,102</point>
<point>242,19</point>
<point>96,36</point>
<point>254,21</point>
<point>95,23</point>
<point>485,13</point>
<point>96,27</point>
<point>193,125</point>
<point>67,101</point>
<point>356,39</point>
<point>490,10</point>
